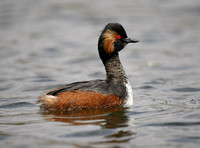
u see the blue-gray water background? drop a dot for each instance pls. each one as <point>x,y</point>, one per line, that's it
<point>44,43</point>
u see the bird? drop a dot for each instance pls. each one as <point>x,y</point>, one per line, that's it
<point>112,92</point>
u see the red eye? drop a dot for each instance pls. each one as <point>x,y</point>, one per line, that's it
<point>119,36</point>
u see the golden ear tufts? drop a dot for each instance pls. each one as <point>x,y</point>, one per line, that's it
<point>110,37</point>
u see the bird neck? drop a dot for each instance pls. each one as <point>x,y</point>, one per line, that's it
<point>114,69</point>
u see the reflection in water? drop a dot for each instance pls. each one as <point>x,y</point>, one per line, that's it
<point>113,123</point>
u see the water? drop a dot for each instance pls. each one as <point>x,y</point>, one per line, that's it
<point>47,43</point>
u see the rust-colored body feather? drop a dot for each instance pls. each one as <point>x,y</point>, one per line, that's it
<point>76,100</point>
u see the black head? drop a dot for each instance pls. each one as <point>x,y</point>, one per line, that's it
<point>112,39</point>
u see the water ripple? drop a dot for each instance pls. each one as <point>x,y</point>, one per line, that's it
<point>17,105</point>
<point>174,124</point>
<point>186,89</point>
<point>146,87</point>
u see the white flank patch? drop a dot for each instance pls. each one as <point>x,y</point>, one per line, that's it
<point>129,97</point>
<point>49,98</point>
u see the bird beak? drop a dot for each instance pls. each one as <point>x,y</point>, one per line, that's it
<point>128,40</point>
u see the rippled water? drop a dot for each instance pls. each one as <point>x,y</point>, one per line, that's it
<point>47,43</point>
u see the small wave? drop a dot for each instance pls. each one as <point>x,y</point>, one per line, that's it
<point>186,139</point>
<point>17,105</point>
<point>186,89</point>
<point>158,81</point>
<point>146,87</point>
<point>174,124</point>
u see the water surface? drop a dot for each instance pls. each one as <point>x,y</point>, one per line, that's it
<point>44,44</point>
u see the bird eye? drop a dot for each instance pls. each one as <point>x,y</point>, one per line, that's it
<point>119,36</point>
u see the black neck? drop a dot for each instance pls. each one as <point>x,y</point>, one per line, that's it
<point>114,69</point>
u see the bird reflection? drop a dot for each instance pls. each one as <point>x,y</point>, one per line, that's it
<point>107,118</point>
<point>112,118</point>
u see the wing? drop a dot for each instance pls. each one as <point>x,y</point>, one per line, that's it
<point>99,86</point>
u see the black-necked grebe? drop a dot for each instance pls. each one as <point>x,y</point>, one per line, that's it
<point>115,91</point>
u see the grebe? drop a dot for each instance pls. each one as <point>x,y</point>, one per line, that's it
<point>114,91</point>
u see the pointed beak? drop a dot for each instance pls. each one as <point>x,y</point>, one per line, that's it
<point>129,40</point>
